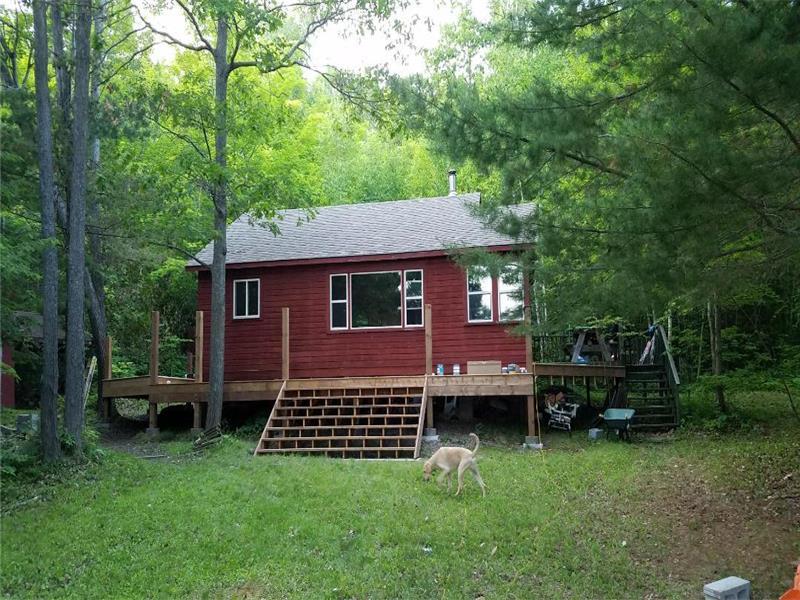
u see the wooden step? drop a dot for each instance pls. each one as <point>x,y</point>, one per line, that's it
<point>316,427</point>
<point>348,406</point>
<point>362,422</point>
<point>405,452</point>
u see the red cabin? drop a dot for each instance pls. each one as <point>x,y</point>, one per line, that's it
<point>356,279</point>
<point>341,320</point>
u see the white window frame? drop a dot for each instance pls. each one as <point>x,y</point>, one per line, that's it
<point>490,293</point>
<point>421,297</point>
<point>350,298</point>
<point>500,295</point>
<point>346,301</point>
<point>247,299</point>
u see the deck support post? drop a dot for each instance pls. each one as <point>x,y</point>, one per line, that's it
<point>532,440</point>
<point>285,343</point>
<point>152,429</point>
<point>197,423</point>
<point>197,407</point>
<point>429,433</point>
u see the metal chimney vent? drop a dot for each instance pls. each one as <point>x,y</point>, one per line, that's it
<point>451,178</point>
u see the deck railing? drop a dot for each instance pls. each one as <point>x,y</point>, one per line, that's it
<point>664,352</point>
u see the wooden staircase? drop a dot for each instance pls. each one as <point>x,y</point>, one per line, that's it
<point>380,417</point>
<point>649,393</point>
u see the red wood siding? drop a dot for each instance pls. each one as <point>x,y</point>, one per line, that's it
<point>253,346</point>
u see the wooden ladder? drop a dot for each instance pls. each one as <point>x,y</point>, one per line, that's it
<point>359,420</point>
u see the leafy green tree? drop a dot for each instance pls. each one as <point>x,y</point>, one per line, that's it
<point>237,35</point>
<point>659,141</point>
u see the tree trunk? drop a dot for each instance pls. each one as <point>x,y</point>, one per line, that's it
<point>216,373</point>
<point>95,288</point>
<point>716,354</point>
<point>76,257</point>
<point>63,84</point>
<point>51,447</point>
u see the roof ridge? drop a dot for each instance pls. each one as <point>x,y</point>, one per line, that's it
<point>466,196</point>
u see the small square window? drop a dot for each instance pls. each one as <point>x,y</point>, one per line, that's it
<point>246,298</point>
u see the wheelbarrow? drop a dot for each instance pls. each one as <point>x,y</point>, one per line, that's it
<point>619,420</point>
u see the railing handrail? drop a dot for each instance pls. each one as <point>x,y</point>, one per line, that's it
<point>668,353</point>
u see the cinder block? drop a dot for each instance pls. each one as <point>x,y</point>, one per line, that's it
<point>730,588</point>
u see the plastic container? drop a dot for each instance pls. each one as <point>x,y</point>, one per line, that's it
<point>456,369</point>
<point>440,369</point>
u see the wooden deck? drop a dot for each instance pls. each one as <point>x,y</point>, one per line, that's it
<point>171,390</point>
<point>160,389</point>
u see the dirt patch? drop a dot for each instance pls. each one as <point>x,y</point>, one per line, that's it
<point>710,529</point>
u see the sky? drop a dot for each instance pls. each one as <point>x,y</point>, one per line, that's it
<point>334,47</point>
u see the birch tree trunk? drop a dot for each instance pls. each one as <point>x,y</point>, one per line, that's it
<point>51,446</point>
<point>76,257</point>
<point>216,373</point>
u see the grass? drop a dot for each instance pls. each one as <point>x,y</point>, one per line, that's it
<point>580,520</point>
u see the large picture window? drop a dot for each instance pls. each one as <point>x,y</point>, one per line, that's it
<point>338,301</point>
<point>246,298</point>
<point>375,300</point>
<point>413,298</point>
<point>479,295</point>
<point>510,293</point>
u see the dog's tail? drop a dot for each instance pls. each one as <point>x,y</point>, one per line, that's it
<point>477,443</point>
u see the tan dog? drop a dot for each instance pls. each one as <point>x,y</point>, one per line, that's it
<point>450,458</point>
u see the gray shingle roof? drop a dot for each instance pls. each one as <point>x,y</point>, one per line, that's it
<point>365,229</point>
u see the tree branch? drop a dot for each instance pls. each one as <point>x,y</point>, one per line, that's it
<point>182,137</point>
<point>168,38</point>
<point>750,98</point>
<point>196,25</point>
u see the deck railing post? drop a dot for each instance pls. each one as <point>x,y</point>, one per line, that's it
<point>105,403</point>
<point>428,342</point>
<point>107,355</point>
<point>198,346</point>
<point>154,341</point>
<point>526,311</point>
<point>152,429</point>
<point>285,342</point>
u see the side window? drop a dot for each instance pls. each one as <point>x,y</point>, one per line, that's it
<point>479,295</point>
<point>339,301</point>
<point>414,298</point>
<point>510,293</point>
<point>246,298</point>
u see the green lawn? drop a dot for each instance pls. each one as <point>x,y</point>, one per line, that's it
<point>581,520</point>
